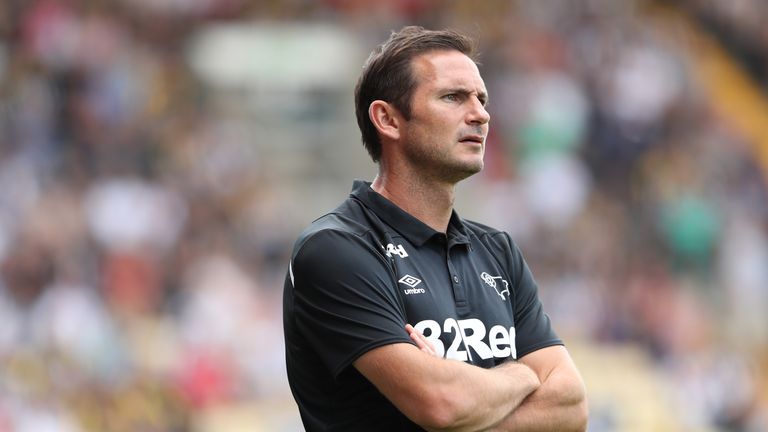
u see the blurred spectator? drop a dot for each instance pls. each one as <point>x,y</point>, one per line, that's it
<point>154,170</point>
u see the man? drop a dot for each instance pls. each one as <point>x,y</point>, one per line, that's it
<point>398,314</point>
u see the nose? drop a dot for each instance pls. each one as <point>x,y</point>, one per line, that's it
<point>478,114</point>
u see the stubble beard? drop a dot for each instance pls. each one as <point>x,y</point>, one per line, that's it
<point>438,164</point>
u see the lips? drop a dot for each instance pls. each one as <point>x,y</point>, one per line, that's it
<point>473,138</point>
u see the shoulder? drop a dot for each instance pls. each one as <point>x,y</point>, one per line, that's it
<point>336,227</point>
<point>343,236</point>
<point>338,251</point>
<point>490,236</point>
<point>498,243</point>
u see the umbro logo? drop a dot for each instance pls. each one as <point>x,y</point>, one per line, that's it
<point>411,281</point>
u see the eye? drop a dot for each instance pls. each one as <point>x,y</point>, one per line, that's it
<point>451,97</point>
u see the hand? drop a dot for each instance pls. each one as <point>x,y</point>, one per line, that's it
<point>421,341</point>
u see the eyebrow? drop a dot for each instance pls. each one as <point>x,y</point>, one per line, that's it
<point>483,96</point>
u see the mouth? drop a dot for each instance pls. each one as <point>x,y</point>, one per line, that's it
<point>472,139</point>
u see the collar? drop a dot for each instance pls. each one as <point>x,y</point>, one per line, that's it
<point>414,230</point>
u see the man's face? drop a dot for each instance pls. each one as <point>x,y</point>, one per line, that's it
<point>445,136</point>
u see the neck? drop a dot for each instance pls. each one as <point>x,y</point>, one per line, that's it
<point>428,201</point>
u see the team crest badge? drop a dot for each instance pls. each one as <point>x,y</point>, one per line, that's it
<point>497,283</point>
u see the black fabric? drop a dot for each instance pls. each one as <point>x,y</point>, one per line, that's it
<point>360,273</point>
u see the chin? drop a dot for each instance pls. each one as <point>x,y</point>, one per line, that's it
<point>467,170</point>
<point>474,166</point>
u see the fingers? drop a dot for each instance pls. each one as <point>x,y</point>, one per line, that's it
<point>421,341</point>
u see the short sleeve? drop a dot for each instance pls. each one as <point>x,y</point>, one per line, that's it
<point>532,325</point>
<point>343,300</point>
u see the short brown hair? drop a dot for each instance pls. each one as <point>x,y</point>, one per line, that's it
<point>387,74</point>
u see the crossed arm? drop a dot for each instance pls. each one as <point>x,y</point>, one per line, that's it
<point>542,392</point>
<point>559,404</point>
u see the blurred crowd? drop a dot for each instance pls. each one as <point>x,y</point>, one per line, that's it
<point>741,27</point>
<point>148,204</point>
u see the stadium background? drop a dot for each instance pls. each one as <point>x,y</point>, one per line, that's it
<point>158,157</point>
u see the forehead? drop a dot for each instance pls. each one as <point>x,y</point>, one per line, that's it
<point>444,68</point>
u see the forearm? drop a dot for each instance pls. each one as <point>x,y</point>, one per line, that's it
<point>477,399</point>
<point>559,404</point>
<point>446,395</point>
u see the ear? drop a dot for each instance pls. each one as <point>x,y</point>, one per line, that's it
<point>386,118</point>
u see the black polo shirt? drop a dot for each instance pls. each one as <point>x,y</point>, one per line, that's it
<point>361,272</point>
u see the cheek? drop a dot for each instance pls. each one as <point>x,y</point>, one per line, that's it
<point>443,128</point>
